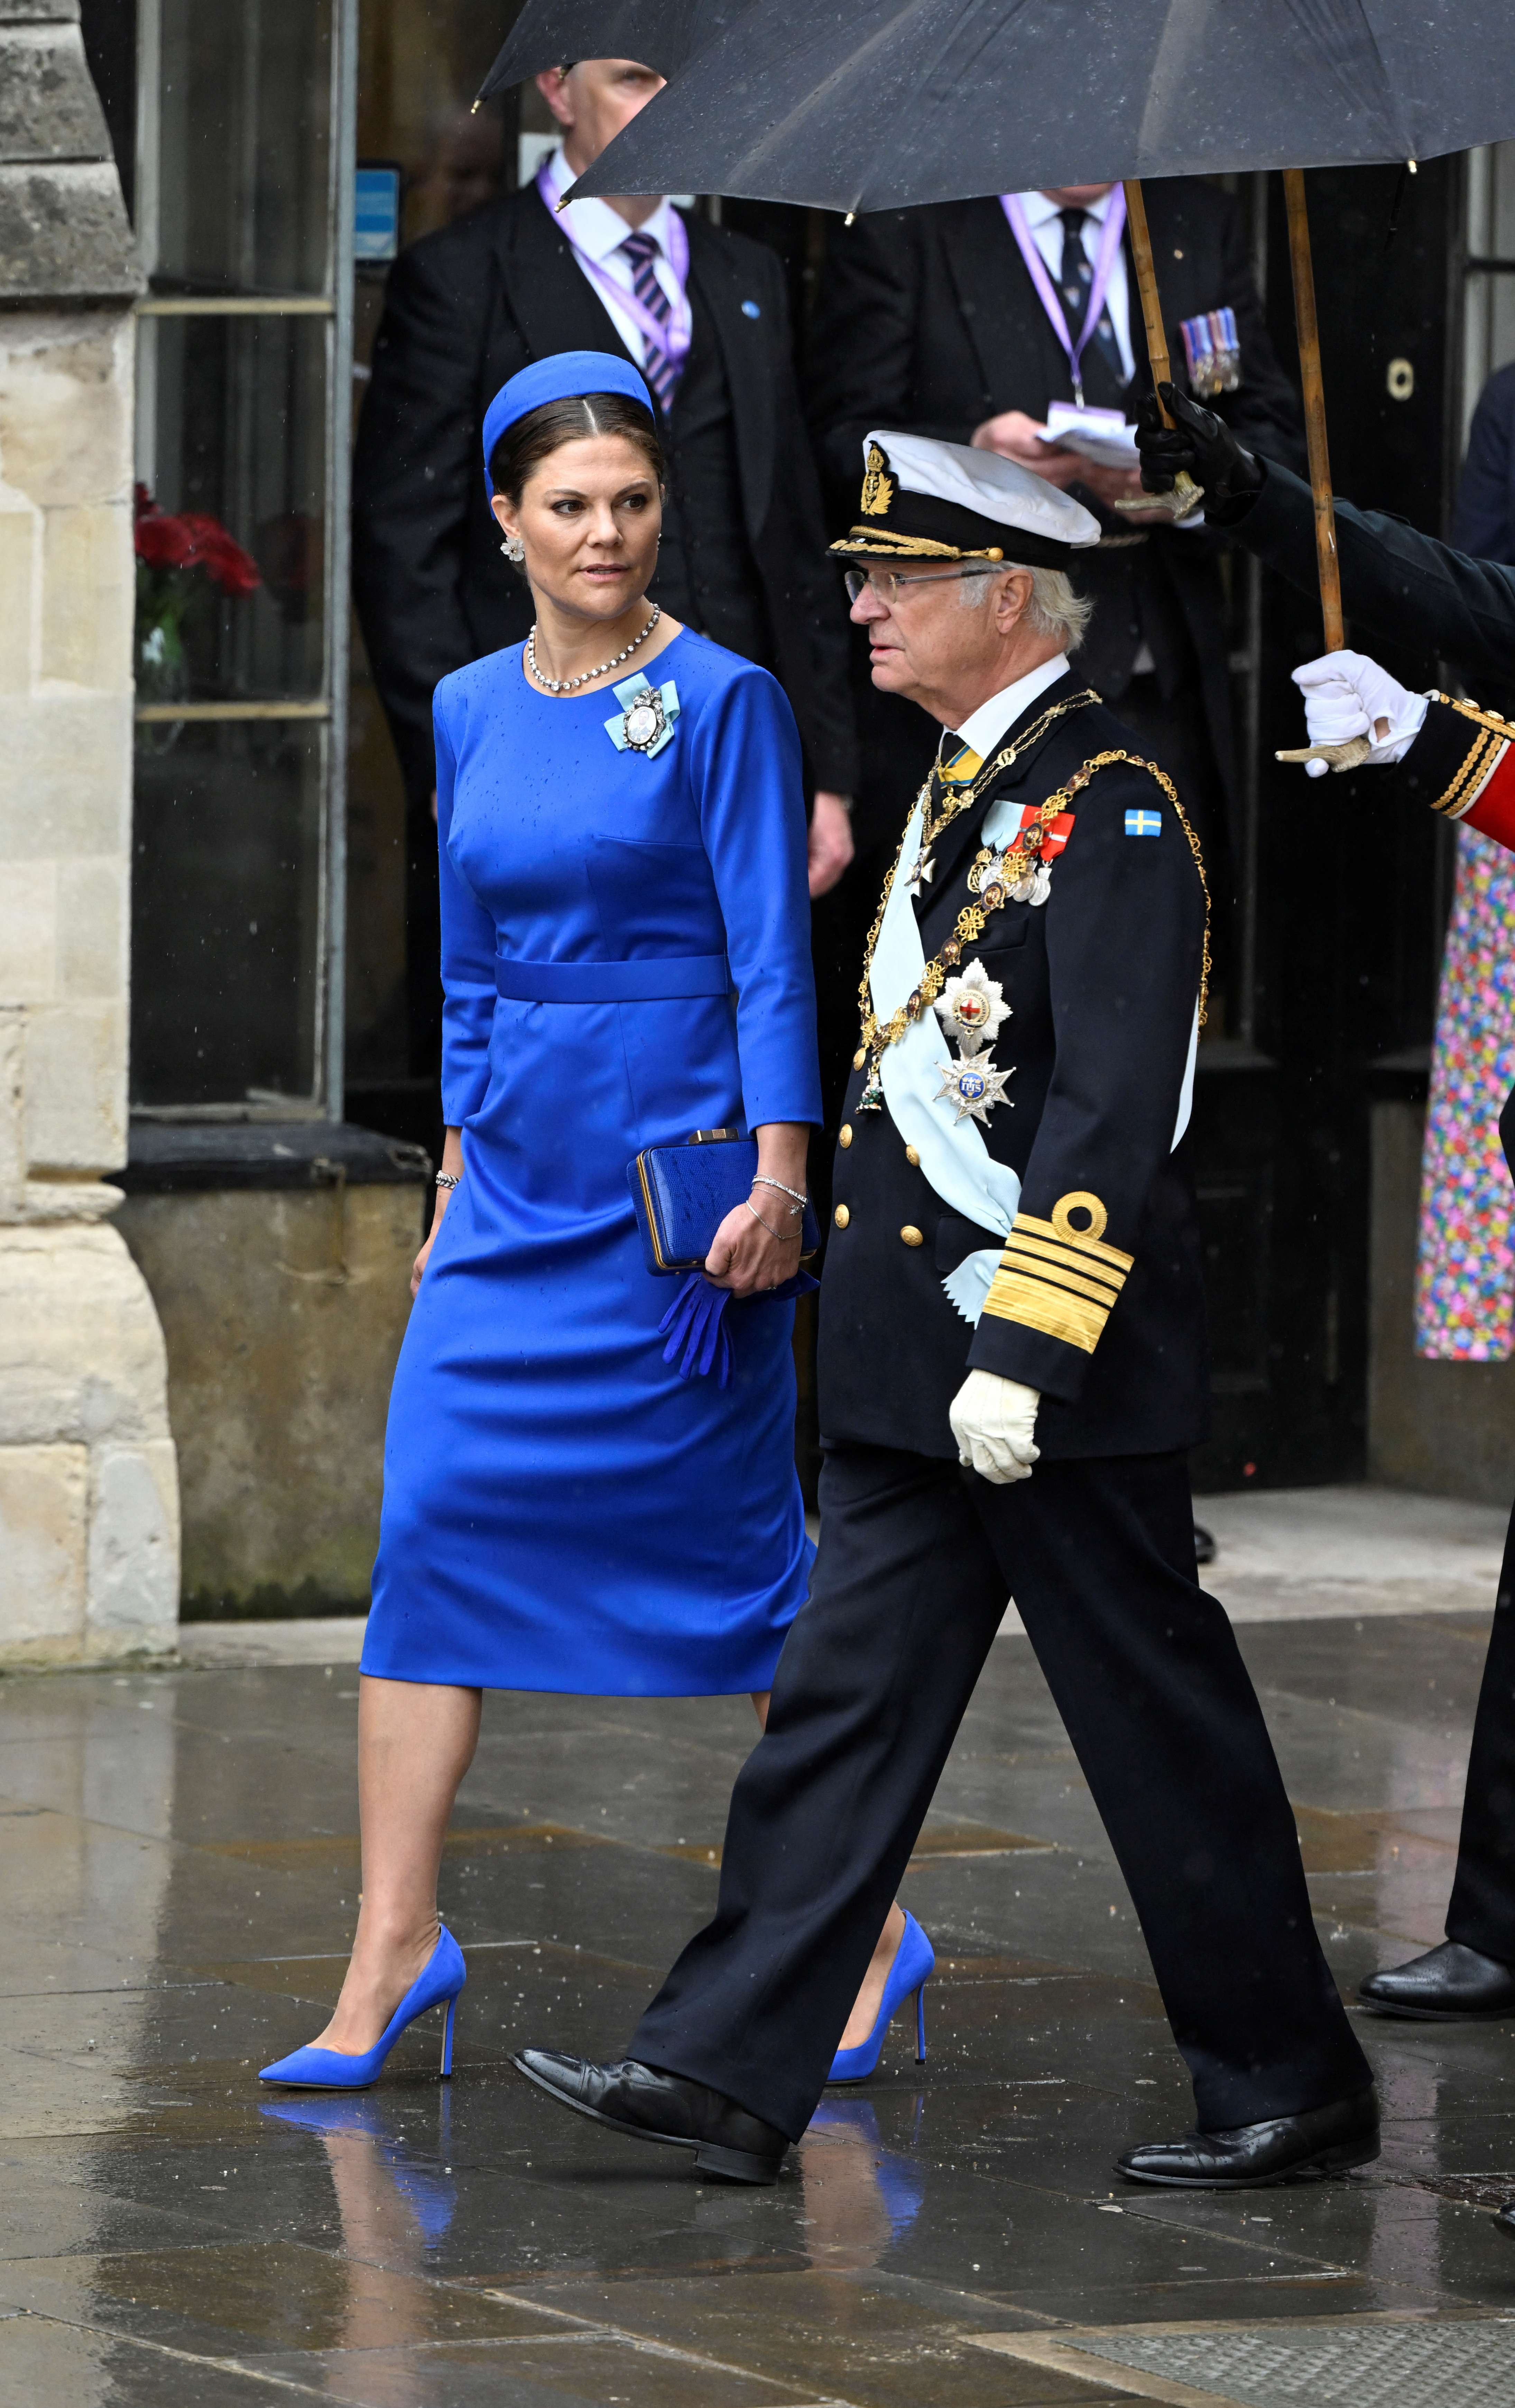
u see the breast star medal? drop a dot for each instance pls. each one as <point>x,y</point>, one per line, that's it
<point>972,1010</point>
<point>973,1084</point>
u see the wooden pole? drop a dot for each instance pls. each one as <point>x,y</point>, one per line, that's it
<point>1186,495</point>
<point>1309,372</point>
<point>1151,307</point>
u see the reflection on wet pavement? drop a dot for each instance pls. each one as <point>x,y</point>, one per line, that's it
<point>180,1867</point>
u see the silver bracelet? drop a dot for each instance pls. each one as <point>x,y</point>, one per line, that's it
<point>449,1179</point>
<point>762,1179</point>
<point>780,1237</point>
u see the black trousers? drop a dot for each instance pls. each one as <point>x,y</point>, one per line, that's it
<point>1482,1910</point>
<point>916,1560</point>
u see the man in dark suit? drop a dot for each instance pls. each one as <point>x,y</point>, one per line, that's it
<point>1483,521</point>
<point>930,319</point>
<point>1012,1365</point>
<point>743,532</point>
<point>1408,588</point>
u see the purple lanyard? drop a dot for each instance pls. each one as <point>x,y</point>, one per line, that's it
<point>672,340</point>
<point>1109,244</point>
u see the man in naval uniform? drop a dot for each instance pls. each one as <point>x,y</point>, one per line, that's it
<point>1460,761</point>
<point>701,311</point>
<point>1012,1365</point>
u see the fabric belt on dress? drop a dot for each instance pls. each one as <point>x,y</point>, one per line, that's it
<point>658,977</point>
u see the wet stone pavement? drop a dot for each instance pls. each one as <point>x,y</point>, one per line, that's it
<point>179,1865</point>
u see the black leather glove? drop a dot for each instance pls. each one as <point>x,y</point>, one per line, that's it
<point>1198,441</point>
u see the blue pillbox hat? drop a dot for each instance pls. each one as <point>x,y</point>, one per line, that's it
<point>563,376</point>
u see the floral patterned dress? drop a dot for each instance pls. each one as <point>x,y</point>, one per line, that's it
<point>1465,1286</point>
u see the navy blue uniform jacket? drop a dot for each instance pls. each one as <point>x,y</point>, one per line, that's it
<point>1098,1299</point>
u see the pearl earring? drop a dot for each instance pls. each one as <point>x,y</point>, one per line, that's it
<point>514,549</point>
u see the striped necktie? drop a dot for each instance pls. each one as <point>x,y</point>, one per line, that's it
<point>1075,284</point>
<point>659,369</point>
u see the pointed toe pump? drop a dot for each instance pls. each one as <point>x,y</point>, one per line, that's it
<point>331,2069</point>
<point>914,1962</point>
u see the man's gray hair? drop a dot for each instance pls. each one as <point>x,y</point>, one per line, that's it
<point>1053,609</point>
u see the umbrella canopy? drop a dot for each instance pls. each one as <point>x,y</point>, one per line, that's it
<point>662,34</point>
<point>881,103</point>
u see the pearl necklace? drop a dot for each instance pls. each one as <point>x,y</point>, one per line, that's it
<point>566,685</point>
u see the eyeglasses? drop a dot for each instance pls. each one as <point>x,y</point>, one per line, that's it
<point>888,585</point>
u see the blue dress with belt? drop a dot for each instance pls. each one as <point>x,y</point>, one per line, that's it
<point>625,959</point>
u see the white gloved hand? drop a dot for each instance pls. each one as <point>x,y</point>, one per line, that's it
<point>993,1421</point>
<point>1347,695</point>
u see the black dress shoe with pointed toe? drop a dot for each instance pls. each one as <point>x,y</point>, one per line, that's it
<point>1323,2141</point>
<point>1447,1985</point>
<point>649,2105</point>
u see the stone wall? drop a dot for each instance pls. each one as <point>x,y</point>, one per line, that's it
<point>89,1533</point>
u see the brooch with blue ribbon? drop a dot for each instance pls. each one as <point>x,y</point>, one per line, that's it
<point>644,722</point>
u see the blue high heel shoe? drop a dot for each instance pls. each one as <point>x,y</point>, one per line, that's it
<point>915,1960</point>
<point>329,2069</point>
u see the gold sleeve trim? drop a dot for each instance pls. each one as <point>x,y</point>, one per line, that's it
<point>1480,718</point>
<point>1055,1273</point>
<point>1478,763</point>
<point>1057,1280</point>
<point>1088,1246</point>
<point>1052,1310</point>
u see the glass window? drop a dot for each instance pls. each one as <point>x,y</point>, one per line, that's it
<point>243,369</point>
<point>226,912</point>
<point>243,138</point>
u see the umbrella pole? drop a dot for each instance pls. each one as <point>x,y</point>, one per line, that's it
<point>1347,755</point>
<point>1186,494</point>
<point>1309,373</point>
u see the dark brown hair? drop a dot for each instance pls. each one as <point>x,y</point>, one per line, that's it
<point>535,438</point>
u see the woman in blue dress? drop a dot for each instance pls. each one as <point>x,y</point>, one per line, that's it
<point>626,959</point>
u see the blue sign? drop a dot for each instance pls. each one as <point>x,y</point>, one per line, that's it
<point>375,230</point>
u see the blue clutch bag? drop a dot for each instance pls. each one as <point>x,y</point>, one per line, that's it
<point>682,1194</point>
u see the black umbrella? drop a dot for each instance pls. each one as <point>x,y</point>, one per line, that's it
<point>884,103</point>
<point>662,34</point>
<point>878,103</point>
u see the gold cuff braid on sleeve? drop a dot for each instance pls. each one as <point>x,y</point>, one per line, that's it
<point>1058,1280</point>
<point>1478,763</point>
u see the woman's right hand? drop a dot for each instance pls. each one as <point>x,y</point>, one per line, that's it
<point>417,1269</point>
<point>452,1168</point>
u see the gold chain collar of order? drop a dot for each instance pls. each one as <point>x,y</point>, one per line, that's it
<point>974,918</point>
<point>875,1040</point>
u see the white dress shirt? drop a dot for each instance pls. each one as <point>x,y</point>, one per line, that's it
<point>1044,218</point>
<point>982,728</point>
<point>601,232</point>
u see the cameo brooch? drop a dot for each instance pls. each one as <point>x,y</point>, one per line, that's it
<point>644,721</point>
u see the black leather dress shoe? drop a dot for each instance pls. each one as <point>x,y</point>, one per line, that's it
<point>1447,1985</point>
<point>1505,2218</point>
<point>647,2105</point>
<point>1323,2141</point>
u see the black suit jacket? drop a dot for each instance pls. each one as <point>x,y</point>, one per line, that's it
<point>927,320</point>
<point>1102,981</point>
<point>1408,589</point>
<point>465,308</point>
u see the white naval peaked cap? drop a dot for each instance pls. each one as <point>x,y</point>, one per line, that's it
<point>923,498</point>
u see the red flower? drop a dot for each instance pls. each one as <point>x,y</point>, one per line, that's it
<point>193,540</point>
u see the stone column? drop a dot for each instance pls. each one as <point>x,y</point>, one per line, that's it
<point>88,1508</point>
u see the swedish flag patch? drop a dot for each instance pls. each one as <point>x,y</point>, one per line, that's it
<point>1144,823</point>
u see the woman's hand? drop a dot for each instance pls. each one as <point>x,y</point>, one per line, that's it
<point>747,1257</point>
<point>452,1164</point>
<point>757,1246</point>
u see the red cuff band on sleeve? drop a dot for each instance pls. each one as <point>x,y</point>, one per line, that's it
<point>1493,813</point>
